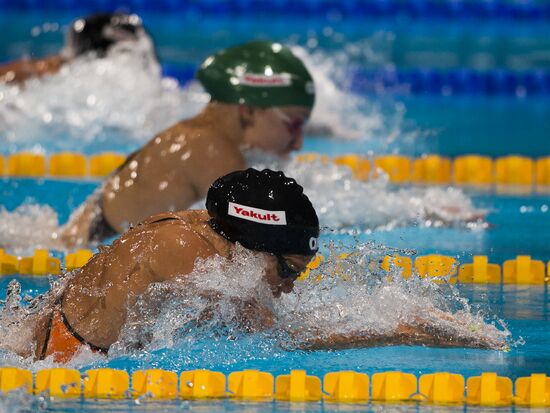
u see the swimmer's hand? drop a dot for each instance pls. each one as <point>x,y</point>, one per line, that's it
<point>438,329</point>
<point>404,335</point>
<point>450,215</point>
<point>254,316</point>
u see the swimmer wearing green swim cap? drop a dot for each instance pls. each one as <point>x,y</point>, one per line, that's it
<point>95,33</point>
<point>261,97</point>
<point>265,212</point>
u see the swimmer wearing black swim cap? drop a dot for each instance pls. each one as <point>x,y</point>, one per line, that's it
<point>98,32</point>
<point>265,212</point>
<point>94,34</point>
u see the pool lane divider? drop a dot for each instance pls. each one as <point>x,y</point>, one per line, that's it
<point>432,81</point>
<point>526,10</point>
<point>62,164</point>
<point>487,389</point>
<point>439,268</point>
<point>512,173</point>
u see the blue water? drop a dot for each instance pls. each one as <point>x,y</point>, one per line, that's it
<point>451,126</point>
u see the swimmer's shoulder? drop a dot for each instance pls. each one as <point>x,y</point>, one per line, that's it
<point>17,71</point>
<point>194,139</point>
<point>187,217</point>
<point>176,240</point>
<point>21,70</point>
<point>193,225</point>
<point>204,154</point>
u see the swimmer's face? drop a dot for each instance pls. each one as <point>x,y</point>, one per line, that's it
<point>275,274</point>
<point>277,130</point>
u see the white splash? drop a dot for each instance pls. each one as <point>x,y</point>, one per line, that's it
<point>121,101</point>
<point>352,297</point>
<point>338,111</point>
<point>122,97</point>
<point>343,296</point>
<point>341,201</point>
<point>27,227</point>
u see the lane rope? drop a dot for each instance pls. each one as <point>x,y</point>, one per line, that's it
<point>482,172</point>
<point>487,389</point>
<point>529,10</point>
<point>439,268</point>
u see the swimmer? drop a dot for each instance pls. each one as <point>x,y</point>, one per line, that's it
<point>261,96</point>
<point>266,212</point>
<point>93,34</point>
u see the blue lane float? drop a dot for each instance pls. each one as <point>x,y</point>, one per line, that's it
<point>526,9</point>
<point>459,81</point>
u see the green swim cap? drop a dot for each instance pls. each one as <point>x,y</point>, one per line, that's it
<point>259,73</point>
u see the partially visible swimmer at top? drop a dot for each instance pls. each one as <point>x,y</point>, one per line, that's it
<point>96,33</point>
<point>266,213</point>
<point>261,97</point>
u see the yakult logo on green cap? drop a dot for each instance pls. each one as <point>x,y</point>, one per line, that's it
<point>262,80</point>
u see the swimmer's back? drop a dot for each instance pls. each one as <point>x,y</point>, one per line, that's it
<point>165,247</point>
<point>170,173</point>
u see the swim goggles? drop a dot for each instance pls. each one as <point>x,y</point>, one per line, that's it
<point>287,270</point>
<point>293,125</point>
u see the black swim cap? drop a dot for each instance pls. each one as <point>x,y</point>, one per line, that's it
<point>263,211</point>
<point>98,32</point>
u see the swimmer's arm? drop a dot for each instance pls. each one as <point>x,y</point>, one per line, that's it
<point>421,335</point>
<point>76,232</point>
<point>174,249</point>
<point>21,70</point>
<point>448,215</point>
<point>251,315</point>
<point>15,71</point>
<point>436,328</point>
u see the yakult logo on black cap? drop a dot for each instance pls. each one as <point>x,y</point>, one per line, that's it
<point>261,216</point>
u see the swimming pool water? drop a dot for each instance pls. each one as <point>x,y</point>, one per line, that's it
<point>450,126</point>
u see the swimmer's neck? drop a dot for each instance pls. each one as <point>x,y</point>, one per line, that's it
<point>225,119</point>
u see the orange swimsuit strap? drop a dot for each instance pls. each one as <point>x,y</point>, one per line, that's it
<point>62,341</point>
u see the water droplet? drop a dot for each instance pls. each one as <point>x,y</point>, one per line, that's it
<point>174,147</point>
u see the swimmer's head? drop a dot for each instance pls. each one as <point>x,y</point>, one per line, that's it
<point>272,88</point>
<point>268,212</point>
<point>98,32</point>
<point>259,74</point>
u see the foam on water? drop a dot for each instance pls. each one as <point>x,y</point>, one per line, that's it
<point>201,315</point>
<point>117,102</point>
<point>343,202</point>
<point>19,401</point>
<point>341,113</point>
<point>121,101</point>
<point>27,227</point>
